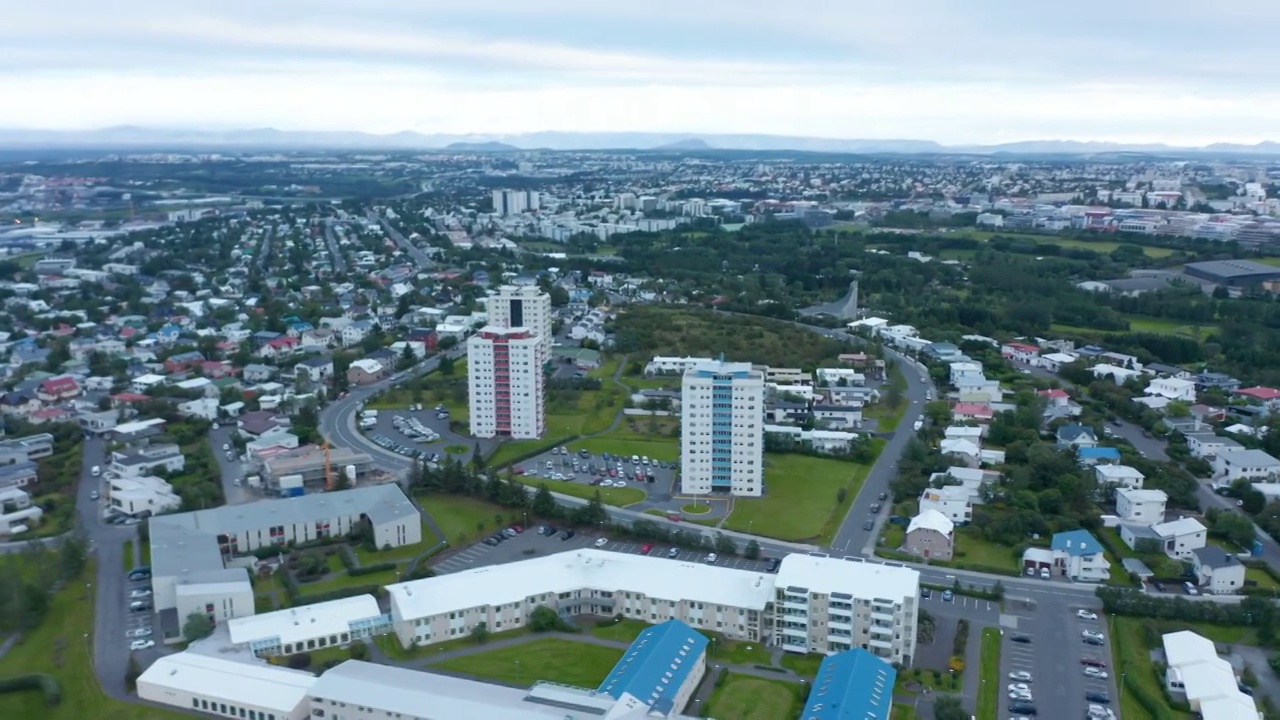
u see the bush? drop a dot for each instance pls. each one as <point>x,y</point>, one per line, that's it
<point>43,682</point>
<point>371,569</point>
<point>299,661</point>
<point>359,650</point>
<point>311,598</point>
<point>722,676</point>
<point>961,639</point>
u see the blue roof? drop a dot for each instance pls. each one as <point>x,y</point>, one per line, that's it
<point>1077,543</point>
<point>1097,453</point>
<point>657,664</point>
<point>852,685</point>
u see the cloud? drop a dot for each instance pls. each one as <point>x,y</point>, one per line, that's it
<point>940,69</point>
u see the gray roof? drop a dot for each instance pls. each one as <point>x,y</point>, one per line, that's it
<point>1234,268</point>
<point>185,544</point>
<point>1252,458</point>
<point>146,455</point>
<point>1145,284</point>
<point>1140,532</point>
<point>1215,557</point>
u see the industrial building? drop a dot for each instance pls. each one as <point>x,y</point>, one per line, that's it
<point>722,429</point>
<point>1232,273</point>
<point>851,684</point>
<point>288,471</point>
<point>194,556</point>
<point>506,384</point>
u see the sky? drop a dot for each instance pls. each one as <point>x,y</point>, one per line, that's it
<point>955,71</point>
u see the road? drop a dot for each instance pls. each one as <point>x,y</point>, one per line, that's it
<point>231,470</point>
<point>265,250</point>
<point>419,257</point>
<point>336,258</point>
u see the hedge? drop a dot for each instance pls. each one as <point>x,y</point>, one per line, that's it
<point>44,682</point>
<point>340,594</point>
<point>370,569</point>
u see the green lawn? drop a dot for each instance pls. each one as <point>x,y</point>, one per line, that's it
<point>128,555</point>
<point>389,644</point>
<point>737,652</point>
<point>398,554</point>
<point>803,665</point>
<point>800,498</point>
<point>743,697</point>
<point>1259,576</point>
<point>972,548</point>
<point>1099,246</point>
<point>340,580</point>
<point>550,659</point>
<point>464,519</point>
<point>622,630</point>
<point>901,711</point>
<point>1140,324</point>
<point>431,389</point>
<point>989,691</point>
<point>892,536</point>
<point>620,497</point>
<point>1130,653</point>
<point>58,647</point>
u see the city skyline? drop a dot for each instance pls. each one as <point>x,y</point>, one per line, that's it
<point>949,72</point>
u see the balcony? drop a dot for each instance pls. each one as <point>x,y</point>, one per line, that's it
<point>883,617</point>
<point>880,644</point>
<point>881,630</point>
<point>847,627</point>
<point>792,643</point>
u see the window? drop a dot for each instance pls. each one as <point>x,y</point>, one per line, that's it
<point>195,703</point>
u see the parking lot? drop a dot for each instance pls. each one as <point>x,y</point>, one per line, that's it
<point>530,544</point>
<point>603,469</point>
<point>421,433</point>
<point>1053,656</point>
<point>139,616</point>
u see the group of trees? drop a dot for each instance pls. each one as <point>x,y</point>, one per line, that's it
<point>31,576</point>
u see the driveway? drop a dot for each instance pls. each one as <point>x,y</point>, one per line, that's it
<point>232,470</point>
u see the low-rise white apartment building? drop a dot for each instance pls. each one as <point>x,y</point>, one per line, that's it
<point>1173,389</point>
<point>336,623</point>
<point>955,502</point>
<point>1176,538</point>
<point>1247,464</point>
<point>1141,507</point>
<point>722,430</point>
<point>962,370</point>
<point>661,365</point>
<point>147,460</point>
<point>506,383</point>
<point>1206,446</point>
<point>734,603</point>
<point>1118,476</point>
<point>141,496</point>
<point>17,513</point>
<point>1207,681</point>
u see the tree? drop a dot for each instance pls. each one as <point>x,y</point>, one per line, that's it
<point>197,626</point>
<point>544,505</point>
<point>725,545</point>
<point>948,707</point>
<point>480,633</point>
<point>752,552</point>
<point>446,365</point>
<point>544,619</point>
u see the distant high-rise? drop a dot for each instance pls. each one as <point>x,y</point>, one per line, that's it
<point>505,383</point>
<point>722,429</point>
<point>514,202</point>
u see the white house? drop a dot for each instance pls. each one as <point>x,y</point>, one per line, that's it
<point>1249,464</point>
<point>142,496</point>
<point>966,370</point>
<point>972,433</point>
<point>1141,507</point>
<point>1207,445</point>
<point>1117,476</point>
<point>954,502</point>
<point>1207,681</point>
<point>1177,538</point>
<point>1117,374</point>
<point>147,460</point>
<point>1053,362</point>
<point>1173,389</point>
<point>1218,571</point>
<point>17,513</point>
<point>205,408</point>
<point>1076,554</point>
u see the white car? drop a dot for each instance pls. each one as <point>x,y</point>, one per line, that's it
<point>1023,696</point>
<point>1022,675</point>
<point>1019,687</point>
<point>226,446</point>
<point>712,558</point>
<point>142,644</point>
<point>139,594</point>
<point>606,483</point>
<point>1093,635</point>
<point>1086,615</point>
<point>141,632</point>
<point>1097,673</point>
<point>602,542</point>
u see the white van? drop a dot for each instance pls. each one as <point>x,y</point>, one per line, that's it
<point>95,471</point>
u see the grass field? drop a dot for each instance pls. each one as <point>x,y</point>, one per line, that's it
<point>989,690</point>
<point>800,498</point>
<point>621,630</point>
<point>901,711</point>
<point>464,519</point>
<point>60,647</point>
<point>655,437</point>
<point>1130,653</point>
<point>389,644</point>
<point>1099,246</point>
<point>571,414</point>
<point>434,389</point>
<point>686,331</point>
<point>750,698</point>
<point>1139,324</point>
<point>971,547</point>
<point>802,665</point>
<point>550,659</point>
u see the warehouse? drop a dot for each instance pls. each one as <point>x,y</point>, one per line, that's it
<point>1232,273</point>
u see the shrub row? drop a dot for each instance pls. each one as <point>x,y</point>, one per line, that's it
<point>43,682</point>
<point>341,593</point>
<point>371,569</point>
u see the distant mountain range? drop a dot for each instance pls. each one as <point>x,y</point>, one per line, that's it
<point>134,137</point>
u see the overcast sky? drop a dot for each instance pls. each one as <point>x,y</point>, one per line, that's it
<point>956,71</point>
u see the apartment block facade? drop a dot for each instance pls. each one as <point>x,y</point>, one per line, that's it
<point>722,429</point>
<point>523,306</point>
<point>505,382</point>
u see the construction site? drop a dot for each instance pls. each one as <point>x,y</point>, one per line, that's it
<point>296,471</point>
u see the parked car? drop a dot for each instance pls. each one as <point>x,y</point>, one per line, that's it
<point>1086,615</point>
<point>1092,634</point>
<point>1093,641</point>
<point>926,593</point>
<point>775,563</point>
<point>138,633</point>
<point>94,495</point>
<point>712,558</point>
<point>139,594</point>
<point>1024,639</point>
<point>1098,697</point>
<point>646,548</point>
<point>1018,708</point>
<point>948,596</point>
<point>1092,661</point>
<point>602,542</point>
<point>1096,673</point>
<point>875,508</point>
<point>142,644</point>
<point>1190,588</point>
<point>567,534</point>
<point>1022,675</point>
<point>673,553</point>
<point>882,496</point>
<point>868,525</point>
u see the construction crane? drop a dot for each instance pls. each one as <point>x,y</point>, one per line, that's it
<point>330,483</point>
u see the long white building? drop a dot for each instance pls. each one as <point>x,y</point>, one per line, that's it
<point>505,383</point>
<point>722,429</point>
<point>870,605</point>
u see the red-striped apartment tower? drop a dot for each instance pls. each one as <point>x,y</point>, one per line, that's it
<point>506,383</point>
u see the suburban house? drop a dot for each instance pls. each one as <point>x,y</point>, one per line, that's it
<point>962,370</point>
<point>1176,538</point>
<point>1220,381</point>
<point>1076,554</point>
<point>1058,404</point>
<point>1173,389</point>
<point>1140,507</point>
<point>58,389</point>
<point>1020,352</point>
<point>255,424</point>
<point>318,369</point>
<point>366,371</point>
<point>1077,436</point>
<point>255,373</point>
<point>17,513</point>
<point>1089,456</point>
<point>147,460</point>
<point>183,362</point>
<point>953,502</point>
<point>930,535</point>
<point>1265,396</point>
<point>972,412</point>
<point>1218,571</point>
<point>837,416</point>
<point>1207,445</point>
<point>19,474</point>
<point>1248,464</point>
<point>1053,362</point>
<point>1117,476</point>
<point>142,496</point>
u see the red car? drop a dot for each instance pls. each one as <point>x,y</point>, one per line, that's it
<point>518,528</point>
<point>646,549</point>
<point>518,470</point>
<point>613,473</point>
<point>1092,662</point>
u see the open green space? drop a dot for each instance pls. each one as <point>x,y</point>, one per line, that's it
<point>619,497</point>
<point>464,520</point>
<point>990,690</point>
<point>432,389</point>
<point>892,536</point>
<point>737,652</point>
<point>1141,680</point>
<point>902,711</point>
<point>620,630</point>
<point>1141,324</point>
<point>972,548</point>
<point>696,508</point>
<point>390,646</point>
<point>744,697</point>
<point>550,659</point>
<point>61,646</point>
<point>803,665</point>
<point>1099,246</point>
<point>1261,577</point>
<point>801,498</point>
<point>127,557</point>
